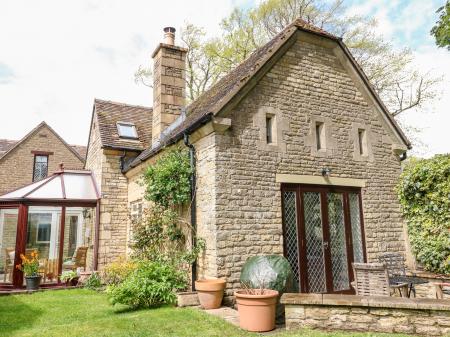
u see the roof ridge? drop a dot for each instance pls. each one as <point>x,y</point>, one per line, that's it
<point>121,103</point>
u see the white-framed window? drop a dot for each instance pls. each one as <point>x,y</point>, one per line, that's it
<point>43,232</point>
<point>320,136</point>
<point>136,210</point>
<point>127,130</point>
<point>40,167</point>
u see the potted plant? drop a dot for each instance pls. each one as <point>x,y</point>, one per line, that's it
<point>69,277</point>
<point>30,267</point>
<point>256,307</point>
<point>210,292</point>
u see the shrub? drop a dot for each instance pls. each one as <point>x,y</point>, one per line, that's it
<point>424,193</point>
<point>93,282</point>
<point>117,271</point>
<point>151,283</point>
<point>167,181</point>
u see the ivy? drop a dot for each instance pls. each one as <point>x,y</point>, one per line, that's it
<point>424,193</point>
<point>167,181</point>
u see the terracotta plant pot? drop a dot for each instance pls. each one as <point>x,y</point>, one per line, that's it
<point>210,292</point>
<point>257,312</point>
<point>33,282</point>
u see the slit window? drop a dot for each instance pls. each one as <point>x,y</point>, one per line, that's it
<point>270,124</point>
<point>127,130</point>
<point>362,142</point>
<point>320,135</point>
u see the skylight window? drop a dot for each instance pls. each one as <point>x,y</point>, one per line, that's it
<point>127,130</point>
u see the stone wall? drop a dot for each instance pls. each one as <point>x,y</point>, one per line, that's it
<point>367,314</point>
<point>16,168</point>
<point>113,185</point>
<point>308,83</point>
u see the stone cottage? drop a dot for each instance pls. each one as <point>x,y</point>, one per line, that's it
<point>295,155</point>
<point>35,156</point>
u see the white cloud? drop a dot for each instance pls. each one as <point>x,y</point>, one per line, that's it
<point>61,54</point>
<point>407,24</point>
<point>65,53</point>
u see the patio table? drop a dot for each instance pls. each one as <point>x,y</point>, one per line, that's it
<point>410,280</point>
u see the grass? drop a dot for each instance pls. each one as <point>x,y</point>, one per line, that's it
<point>82,312</point>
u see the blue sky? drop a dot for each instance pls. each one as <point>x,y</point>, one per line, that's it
<point>56,56</point>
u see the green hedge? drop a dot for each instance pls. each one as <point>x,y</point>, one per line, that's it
<point>424,193</point>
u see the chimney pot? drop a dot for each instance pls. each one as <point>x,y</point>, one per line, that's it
<point>169,35</point>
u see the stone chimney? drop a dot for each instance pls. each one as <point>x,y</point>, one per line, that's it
<point>169,92</point>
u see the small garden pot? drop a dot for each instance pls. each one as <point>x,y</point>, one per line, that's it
<point>73,282</point>
<point>257,312</point>
<point>33,282</point>
<point>210,292</point>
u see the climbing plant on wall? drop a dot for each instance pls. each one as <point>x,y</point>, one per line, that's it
<point>424,193</point>
<point>167,181</point>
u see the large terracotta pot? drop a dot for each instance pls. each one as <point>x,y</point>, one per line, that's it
<point>210,292</point>
<point>257,312</point>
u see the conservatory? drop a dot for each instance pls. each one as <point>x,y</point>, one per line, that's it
<point>57,217</point>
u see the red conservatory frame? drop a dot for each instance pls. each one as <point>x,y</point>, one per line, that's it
<point>23,203</point>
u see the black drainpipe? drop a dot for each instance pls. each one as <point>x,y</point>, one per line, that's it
<point>193,204</point>
<point>403,156</point>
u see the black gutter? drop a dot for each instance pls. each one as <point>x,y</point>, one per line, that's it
<point>403,156</point>
<point>193,203</point>
<point>172,140</point>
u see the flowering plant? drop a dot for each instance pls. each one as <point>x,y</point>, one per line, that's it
<point>29,266</point>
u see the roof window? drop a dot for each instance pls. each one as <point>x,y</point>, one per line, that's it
<point>127,130</point>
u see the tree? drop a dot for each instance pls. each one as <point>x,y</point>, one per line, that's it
<point>390,70</point>
<point>441,31</point>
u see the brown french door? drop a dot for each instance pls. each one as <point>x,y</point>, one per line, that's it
<point>323,235</point>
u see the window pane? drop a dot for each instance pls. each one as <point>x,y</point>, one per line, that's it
<point>355,219</point>
<point>43,233</point>
<point>269,122</point>
<point>314,242</point>
<point>127,130</point>
<point>40,170</point>
<point>8,230</point>
<point>339,265</point>
<point>291,236</point>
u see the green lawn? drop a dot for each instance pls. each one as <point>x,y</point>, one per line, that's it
<point>87,313</point>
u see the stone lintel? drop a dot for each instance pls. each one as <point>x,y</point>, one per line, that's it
<point>221,124</point>
<point>319,180</point>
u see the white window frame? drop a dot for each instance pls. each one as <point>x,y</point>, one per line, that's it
<point>125,124</point>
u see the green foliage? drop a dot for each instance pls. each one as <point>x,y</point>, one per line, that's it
<point>151,283</point>
<point>68,275</point>
<point>93,282</point>
<point>117,271</point>
<point>159,234</point>
<point>441,31</point>
<point>167,180</point>
<point>424,193</point>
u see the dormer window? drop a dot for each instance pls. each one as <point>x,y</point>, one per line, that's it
<point>127,130</point>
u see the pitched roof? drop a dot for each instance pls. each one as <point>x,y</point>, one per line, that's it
<point>109,113</point>
<point>214,99</point>
<point>7,146</point>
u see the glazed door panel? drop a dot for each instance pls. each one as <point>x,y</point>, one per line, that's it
<point>323,235</point>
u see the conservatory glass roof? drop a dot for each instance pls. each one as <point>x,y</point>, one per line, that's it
<point>64,185</point>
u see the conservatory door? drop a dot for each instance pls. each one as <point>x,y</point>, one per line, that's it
<point>8,233</point>
<point>323,235</point>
